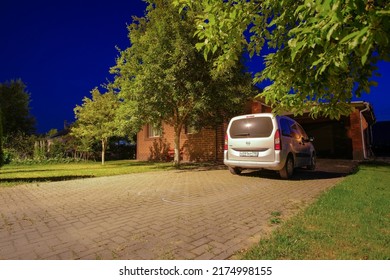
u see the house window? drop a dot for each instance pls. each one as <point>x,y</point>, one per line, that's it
<point>154,131</point>
<point>191,129</point>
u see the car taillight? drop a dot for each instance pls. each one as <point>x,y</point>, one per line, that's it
<point>277,142</point>
<point>226,143</point>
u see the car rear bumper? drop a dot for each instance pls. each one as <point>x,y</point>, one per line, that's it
<point>254,165</point>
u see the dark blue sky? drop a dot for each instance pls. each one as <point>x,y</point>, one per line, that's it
<point>63,49</point>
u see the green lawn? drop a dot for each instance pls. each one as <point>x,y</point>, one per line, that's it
<point>11,175</point>
<point>351,221</point>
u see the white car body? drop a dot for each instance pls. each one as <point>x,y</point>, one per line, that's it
<point>266,141</point>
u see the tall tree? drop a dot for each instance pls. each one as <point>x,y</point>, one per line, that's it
<point>15,105</point>
<point>322,52</point>
<point>95,118</point>
<point>162,78</point>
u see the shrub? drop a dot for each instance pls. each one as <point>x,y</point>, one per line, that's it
<point>19,146</point>
<point>1,142</point>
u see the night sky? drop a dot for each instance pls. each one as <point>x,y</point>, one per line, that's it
<point>63,49</point>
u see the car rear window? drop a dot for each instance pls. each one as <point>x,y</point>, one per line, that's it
<point>253,127</point>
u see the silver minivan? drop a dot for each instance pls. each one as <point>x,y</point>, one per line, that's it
<point>266,141</point>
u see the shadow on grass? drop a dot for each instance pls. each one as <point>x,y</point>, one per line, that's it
<point>376,163</point>
<point>135,163</point>
<point>43,179</point>
<point>28,171</point>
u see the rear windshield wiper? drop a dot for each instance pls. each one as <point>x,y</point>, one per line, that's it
<point>242,134</point>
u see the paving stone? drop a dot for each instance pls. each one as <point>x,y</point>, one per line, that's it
<point>158,215</point>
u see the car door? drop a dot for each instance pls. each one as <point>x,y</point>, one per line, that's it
<point>304,146</point>
<point>291,139</point>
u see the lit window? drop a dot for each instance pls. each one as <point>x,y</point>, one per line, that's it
<point>154,131</point>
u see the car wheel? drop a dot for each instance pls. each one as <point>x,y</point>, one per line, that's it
<point>288,169</point>
<point>235,171</point>
<point>312,165</point>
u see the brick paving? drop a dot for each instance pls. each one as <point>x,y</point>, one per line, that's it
<point>201,214</point>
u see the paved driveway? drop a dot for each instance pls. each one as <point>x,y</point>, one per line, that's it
<point>202,214</point>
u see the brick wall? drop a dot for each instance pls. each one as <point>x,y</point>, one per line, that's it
<point>258,107</point>
<point>356,135</point>
<point>200,146</point>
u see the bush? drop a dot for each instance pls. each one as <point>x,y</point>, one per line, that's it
<point>19,146</point>
<point>7,156</point>
<point>1,152</point>
<point>1,155</point>
<point>46,161</point>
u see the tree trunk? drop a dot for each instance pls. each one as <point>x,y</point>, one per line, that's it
<point>104,147</point>
<point>176,159</point>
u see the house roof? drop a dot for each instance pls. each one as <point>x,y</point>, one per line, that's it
<point>60,133</point>
<point>363,106</point>
<point>366,109</point>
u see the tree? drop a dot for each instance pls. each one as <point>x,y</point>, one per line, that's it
<point>14,103</point>
<point>95,118</point>
<point>162,78</point>
<point>321,53</point>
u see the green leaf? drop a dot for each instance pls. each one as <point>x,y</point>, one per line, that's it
<point>199,46</point>
<point>366,53</point>
<point>211,18</point>
<point>326,5</point>
<point>215,47</point>
<point>331,30</point>
<point>383,12</point>
<point>205,53</point>
<point>356,35</point>
<point>233,14</point>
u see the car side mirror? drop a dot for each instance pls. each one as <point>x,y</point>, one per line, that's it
<point>311,139</point>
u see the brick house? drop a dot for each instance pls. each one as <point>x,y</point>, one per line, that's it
<point>348,138</point>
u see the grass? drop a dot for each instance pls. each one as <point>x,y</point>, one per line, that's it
<point>276,217</point>
<point>11,175</point>
<point>351,221</point>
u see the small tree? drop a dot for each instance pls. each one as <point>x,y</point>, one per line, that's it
<point>95,118</point>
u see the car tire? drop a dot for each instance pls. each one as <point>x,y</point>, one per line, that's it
<point>288,169</point>
<point>313,161</point>
<point>235,170</point>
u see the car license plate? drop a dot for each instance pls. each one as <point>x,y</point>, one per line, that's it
<point>249,154</point>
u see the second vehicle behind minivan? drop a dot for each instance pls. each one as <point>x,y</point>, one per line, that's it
<point>266,141</point>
